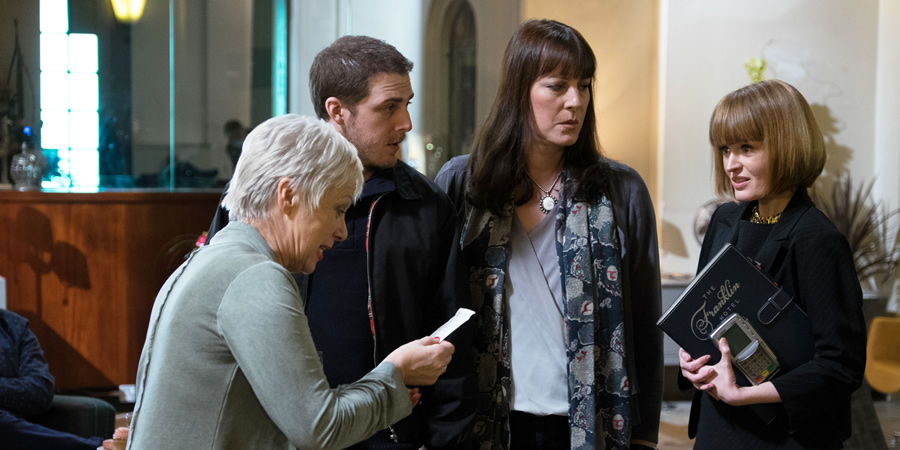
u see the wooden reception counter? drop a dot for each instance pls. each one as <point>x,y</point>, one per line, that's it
<point>84,268</point>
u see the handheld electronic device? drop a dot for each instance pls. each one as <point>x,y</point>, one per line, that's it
<point>749,352</point>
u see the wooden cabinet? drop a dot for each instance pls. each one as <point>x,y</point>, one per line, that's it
<point>84,268</point>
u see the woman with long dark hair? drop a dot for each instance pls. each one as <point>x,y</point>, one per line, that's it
<point>564,268</point>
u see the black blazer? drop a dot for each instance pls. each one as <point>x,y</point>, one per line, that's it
<point>811,259</point>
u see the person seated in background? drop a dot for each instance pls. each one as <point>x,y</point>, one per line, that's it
<point>229,360</point>
<point>26,389</point>
<point>235,133</point>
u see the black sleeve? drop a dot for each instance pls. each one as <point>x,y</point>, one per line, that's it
<point>220,219</point>
<point>646,305</point>
<point>452,179</point>
<point>31,390</point>
<point>451,408</point>
<point>824,278</point>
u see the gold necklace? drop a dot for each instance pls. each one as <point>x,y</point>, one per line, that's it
<point>756,218</point>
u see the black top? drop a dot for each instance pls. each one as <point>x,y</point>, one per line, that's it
<point>338,291</point>
<point>751,237</point>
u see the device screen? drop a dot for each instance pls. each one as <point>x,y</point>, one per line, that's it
<point>737,339</point>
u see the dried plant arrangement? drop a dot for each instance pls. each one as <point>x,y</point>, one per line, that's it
<point>869,226</point>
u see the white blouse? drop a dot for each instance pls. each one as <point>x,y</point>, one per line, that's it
<point>537,327</point>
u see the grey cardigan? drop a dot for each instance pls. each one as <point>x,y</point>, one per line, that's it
<point>229,362</point>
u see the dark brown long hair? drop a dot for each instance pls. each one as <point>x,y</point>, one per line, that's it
<point>497,164</point>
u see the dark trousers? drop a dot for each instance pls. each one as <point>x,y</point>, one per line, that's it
<point>382,441</point>
<point>20,434</point>
<point>531,432</point>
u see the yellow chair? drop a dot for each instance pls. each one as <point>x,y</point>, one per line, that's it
<point>883,355</point>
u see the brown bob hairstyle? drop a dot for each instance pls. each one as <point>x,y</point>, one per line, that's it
<point>497,162</point>
<point>775,113</point>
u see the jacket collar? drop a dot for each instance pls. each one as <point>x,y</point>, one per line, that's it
<point>769,253</point>
<point>405,181</point>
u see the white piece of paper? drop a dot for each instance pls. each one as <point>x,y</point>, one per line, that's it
<point>461,316</point>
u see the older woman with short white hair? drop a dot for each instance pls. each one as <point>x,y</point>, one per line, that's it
<point>229,361</point>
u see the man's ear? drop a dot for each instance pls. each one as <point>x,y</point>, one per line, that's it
<point>336,110</point>
<point>285,198</point>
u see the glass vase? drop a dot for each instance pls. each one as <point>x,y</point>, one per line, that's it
<point>27,168</point>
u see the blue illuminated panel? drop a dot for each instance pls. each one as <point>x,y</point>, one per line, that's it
<point>84,93</point>
<point>83,53</point>
<point>54,16</point>
<point>54,52</point>
<point>55,129</point>
<point>69,99</point>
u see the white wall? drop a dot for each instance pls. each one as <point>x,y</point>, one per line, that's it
<point>212,43</point>
<point>887,104</point>
<point>826,48</point>
<point>229,63</point>
<point>150,88</point>
<point>313,26</point>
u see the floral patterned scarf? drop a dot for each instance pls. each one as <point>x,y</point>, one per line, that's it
<point>599,415</point>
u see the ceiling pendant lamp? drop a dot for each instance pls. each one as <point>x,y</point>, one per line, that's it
<point>128,11</point>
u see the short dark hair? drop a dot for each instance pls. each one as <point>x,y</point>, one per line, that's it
<point>344,68</point>
<point>497,163</point>
<point>775,113</point>
<point>233,126</point>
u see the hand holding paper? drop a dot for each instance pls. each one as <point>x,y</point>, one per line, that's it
<point>422,361</point>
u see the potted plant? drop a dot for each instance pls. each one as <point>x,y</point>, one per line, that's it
<point>870,228</point>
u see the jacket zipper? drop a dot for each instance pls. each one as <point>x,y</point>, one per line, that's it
<point>393,434</point>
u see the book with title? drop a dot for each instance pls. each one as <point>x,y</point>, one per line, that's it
<point>733,284</point>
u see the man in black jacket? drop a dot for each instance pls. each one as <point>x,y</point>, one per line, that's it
<point>398,276</point>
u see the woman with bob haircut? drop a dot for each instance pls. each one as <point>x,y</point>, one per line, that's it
<point>564,267</point>
<point>229,362</point>
<point>768,150</point>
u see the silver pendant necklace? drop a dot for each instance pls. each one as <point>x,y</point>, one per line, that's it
<point>547,201</point>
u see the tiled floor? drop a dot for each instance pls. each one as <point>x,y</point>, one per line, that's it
<point>674,420</point>
<point>889,416</point>
<point>673,426</point>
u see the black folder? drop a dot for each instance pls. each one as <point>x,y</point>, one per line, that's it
<point>731,283</point>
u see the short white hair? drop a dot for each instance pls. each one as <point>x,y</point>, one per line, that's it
<point>308,151</point>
